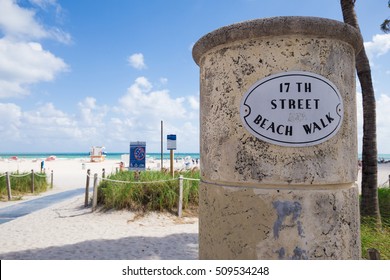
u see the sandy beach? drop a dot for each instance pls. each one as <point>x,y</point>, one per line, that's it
<point>68,230</point>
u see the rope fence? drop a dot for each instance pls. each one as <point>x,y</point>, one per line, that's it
<point>137,182</point>
<point>32,174</point>
<point>385,183</point>
<point>95,177</point>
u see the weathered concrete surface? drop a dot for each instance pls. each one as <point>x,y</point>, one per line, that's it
<point>233,58</point>
<point>270,223</point>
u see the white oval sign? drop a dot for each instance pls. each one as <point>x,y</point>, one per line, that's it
<point>293,109</point>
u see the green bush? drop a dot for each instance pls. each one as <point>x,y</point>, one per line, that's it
<point>371,236</point>
<point>21,184</point>
<point>151,191</point>
<point>384,205</point>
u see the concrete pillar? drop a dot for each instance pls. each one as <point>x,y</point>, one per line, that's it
<point>289,196</point>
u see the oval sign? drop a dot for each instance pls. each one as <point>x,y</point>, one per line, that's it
<point>293,109</point>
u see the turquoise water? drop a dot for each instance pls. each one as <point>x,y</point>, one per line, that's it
<point>115,156</point>
<point>381,156</point>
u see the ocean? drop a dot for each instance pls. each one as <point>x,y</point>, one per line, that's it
<point>117,156</point>
<point>114,156</point>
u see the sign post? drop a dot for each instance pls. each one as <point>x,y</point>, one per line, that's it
<point>279,140</point>
<point>137,156</point>
<point>171,146</point>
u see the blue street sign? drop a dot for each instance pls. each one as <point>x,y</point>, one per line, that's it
<point>137,156</point>
<point>171,142</point>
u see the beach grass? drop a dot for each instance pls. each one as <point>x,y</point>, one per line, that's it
<point>375,238</point>
<point>21,184</point>
<point>371,236</point>
<point>148,191</point>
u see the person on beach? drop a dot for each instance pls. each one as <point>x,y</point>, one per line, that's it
<point>42,166</point>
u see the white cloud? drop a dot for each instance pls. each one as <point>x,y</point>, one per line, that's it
<point>43,128</point>
<point>194,102</point>
<point>136,117</point>
<point>137,61</point>
<point>379,45</point>
<point>382,121</point>
<point>23,60</point>
<point>47,116</point>
<point>44,3</point>
<point>22,64</point>
<point>60,35</point>
<point>92,114</point>
<point>19,22</point>
<point>141,100</point>
<point>10,89</point>
<point>163,81</point>
<point>141,110</point>
<point>10,115</point>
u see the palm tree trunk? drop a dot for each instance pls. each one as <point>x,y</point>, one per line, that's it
<point>369,203</point>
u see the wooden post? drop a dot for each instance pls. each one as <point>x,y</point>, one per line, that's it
<point>136,175</point>
<point>95,190</point>
<point>51,179</point>
<point>373,254</point>
<point>8,185</point>
<point>87,188</point>
<point>103,173</point>
<point>32,180</point>
<point>180,205</point>
<point>171,164</point>
<point>389,181</point>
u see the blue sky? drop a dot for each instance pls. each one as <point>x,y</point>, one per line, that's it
<point>79,73</point>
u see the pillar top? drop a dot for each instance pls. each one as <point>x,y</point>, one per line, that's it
<point>279,26</point>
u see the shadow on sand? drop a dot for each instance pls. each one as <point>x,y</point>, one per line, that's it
<point>171,247</point>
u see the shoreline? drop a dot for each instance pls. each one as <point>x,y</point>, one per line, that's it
<point>86,157</point>
<point>71,172</point>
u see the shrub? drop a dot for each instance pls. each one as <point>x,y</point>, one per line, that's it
<point>151,191</point>
<point>371,236</point>
<point>384,205</point>
<point>21,184</point>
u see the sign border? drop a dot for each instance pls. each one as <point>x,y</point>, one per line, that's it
<point>290,143</point>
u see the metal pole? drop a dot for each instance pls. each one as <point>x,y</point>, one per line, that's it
<point>180,206</point>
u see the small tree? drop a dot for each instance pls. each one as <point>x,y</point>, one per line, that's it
<point>385,26</point>
<point>369,204</point>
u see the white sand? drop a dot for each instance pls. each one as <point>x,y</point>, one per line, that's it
<point>67,230</point>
